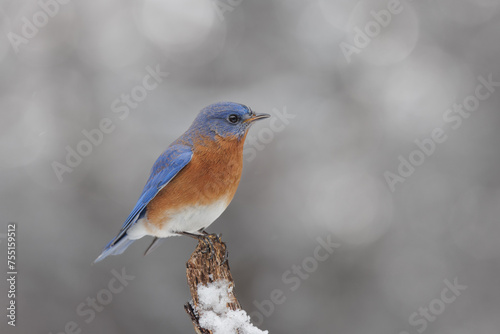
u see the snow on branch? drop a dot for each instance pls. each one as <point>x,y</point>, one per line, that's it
<point>214,308</point>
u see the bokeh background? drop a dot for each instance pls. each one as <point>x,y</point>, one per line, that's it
<point>317,173</point>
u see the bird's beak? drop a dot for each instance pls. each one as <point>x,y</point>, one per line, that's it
<point>256,117</point>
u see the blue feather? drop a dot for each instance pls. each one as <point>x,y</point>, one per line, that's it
<point>166,167</point>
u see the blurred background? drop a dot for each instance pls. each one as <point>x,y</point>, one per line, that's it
<point>352,85</point>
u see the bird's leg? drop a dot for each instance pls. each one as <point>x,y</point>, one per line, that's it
<point>191,235</point>
<point>211,247</point>
<point>202,230</point>
<point>219,237</point>
<point>205,237</point>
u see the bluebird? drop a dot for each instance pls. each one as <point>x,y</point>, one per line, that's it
<point>193,181</point>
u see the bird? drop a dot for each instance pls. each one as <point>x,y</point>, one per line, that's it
<point>193,181</point>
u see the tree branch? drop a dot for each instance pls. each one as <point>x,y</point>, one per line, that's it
<point>204,267</point>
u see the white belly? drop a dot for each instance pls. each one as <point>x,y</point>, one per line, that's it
<point>189,219</point>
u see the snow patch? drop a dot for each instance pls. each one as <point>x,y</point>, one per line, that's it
<point>216,316</point>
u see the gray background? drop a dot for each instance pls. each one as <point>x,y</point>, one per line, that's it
<point>321,175</point>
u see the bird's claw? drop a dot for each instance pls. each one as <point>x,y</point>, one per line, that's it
<point>209,246</point>
<point>206,238</point>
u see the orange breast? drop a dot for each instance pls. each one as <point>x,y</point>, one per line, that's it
<point>213,173</point>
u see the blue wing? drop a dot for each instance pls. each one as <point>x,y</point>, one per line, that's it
<point>166,167</point>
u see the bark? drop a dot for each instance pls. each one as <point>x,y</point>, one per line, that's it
<point>206,266</point>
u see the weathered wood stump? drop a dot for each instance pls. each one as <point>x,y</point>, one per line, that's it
<point>208,264</point>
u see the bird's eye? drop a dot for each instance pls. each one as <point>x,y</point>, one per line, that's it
<point>233,118</point>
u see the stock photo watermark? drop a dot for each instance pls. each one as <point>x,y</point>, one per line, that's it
<point>88,309</point>
<point>280,119</point>
<point>363,36</point>
<point>454,117</point>
<point>150,82</point>
<point>223,6</point>
<point>421,318</point>
<point>31,27</point>
<point>12,292</point>
<point>47,9</point>
<point>293,279</point>
<point>121,106</point>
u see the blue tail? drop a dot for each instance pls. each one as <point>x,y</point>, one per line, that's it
<point>115,248</point>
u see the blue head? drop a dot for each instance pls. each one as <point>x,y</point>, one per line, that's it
<point>226,119</point>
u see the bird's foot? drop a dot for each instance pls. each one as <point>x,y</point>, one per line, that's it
<point>209,245</point>
<point>206,238</point>
<point>219,239</point>
<point>218,236</point>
